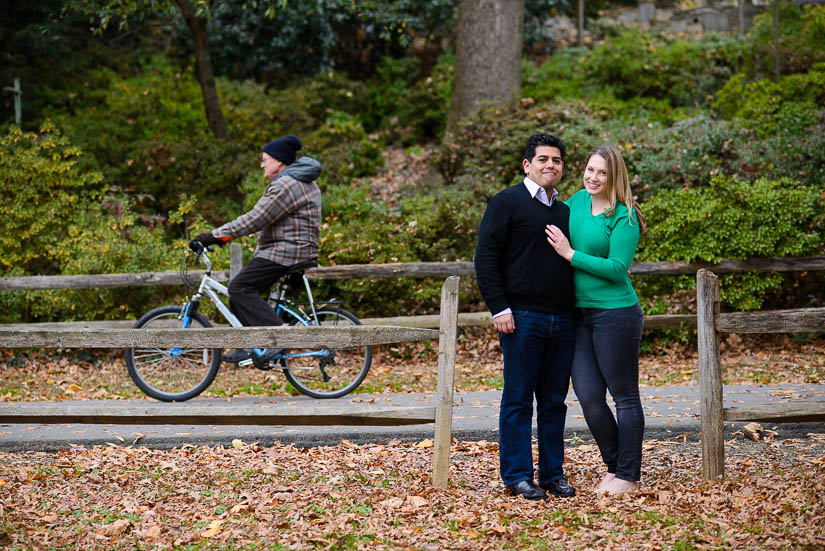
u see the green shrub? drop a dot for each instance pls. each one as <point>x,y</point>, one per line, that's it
<point>637,64</point>
<point>308,37</point>
<point>732,219</point>
<point>407,103</point>
<point>558,77</point>
<point>357,229</point>
<point>485,156</point>
<point>148,136</point>
<point>112,239</point>
<point>109,241</point>
<point>345,150</point>
<point>769,107</point>
<point>257,115</point>
<point>44,187</point>
<point>801,40</point>
<point>694,150</point>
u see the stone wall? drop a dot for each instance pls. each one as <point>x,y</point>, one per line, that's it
<point>684,18</point>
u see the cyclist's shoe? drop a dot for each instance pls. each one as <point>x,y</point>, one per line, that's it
<point>237,356</point>
<point>261,361</point>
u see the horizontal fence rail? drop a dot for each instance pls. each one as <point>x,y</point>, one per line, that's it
<point>811,409</point>
<point>799,320</point>
<point>191,414</point>
<point>378,271</point>
<point>214,337</point>
<point>429,321</point>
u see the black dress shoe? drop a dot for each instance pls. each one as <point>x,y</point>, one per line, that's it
<point>559,488</point>
<point>527,489</point>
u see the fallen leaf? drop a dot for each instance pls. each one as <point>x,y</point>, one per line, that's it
<point>416,501</point>
<point>151,532</point>
<point>214,528</point>
<point>116,528</point>
<point>391,503</point>
<point>426,443</point>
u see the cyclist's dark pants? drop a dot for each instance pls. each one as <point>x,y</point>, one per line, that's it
<point>246,288</point>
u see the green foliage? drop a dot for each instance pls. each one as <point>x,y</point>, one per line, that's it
<point>801,40</point>
<point>694,150</point>
<point>257,115</point>
<point>639,64</point>
<point>108,241</point>
<point>53,57</point>
<point>158,146</point>
<point>44,187</point>
<point>346,149</point>
<point>770,107</point>
<point>408,104</point>
<point>733,219</point>
<point>357,229</point>
<point>312,36</point>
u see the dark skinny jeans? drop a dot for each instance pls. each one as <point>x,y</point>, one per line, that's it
<point>607,358</point>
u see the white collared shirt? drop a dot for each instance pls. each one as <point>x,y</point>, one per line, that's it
<point>539,193</point>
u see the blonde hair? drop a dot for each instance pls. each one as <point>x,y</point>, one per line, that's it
<point>618,184</point>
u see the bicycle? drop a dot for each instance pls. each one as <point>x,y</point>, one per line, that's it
<point>179,374</point>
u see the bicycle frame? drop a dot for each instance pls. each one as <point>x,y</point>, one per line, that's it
<point>212,289</point>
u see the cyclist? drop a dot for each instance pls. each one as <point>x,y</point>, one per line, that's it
<point>287,219</point>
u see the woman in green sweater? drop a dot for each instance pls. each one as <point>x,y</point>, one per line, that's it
<point>605,225</point>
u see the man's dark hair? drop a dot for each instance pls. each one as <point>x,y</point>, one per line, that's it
<point>537,140</point>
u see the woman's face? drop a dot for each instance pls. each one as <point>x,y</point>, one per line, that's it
<point>595,175</point>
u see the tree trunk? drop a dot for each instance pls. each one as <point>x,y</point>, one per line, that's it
<point>580,29</point>
<point>777,58</point>
<point>488,56</point>
<point>206,76</point>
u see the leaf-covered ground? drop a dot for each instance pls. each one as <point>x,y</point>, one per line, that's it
<point>411,367</point>
<point>380,497</point>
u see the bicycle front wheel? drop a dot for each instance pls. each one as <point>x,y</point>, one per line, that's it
<point>329,373</point>
<point>176,374</point>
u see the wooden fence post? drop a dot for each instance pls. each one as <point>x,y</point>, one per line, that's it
<point>710,376</point>
<point>235,260</point>
<point>446,382</point>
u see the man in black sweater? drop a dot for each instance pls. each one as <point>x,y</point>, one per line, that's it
<point>529,290</point>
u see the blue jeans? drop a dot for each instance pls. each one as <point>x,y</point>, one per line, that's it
<point>537,358</point>
<point>607,358</point>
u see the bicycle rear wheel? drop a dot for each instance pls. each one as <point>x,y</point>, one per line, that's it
<point>176,374</point>
<point>336,372</point>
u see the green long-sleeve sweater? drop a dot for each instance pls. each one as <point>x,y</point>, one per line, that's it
<point>604,248</point>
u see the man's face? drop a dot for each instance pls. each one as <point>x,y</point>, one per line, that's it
<point>546,167</point>
<point>272,166</point>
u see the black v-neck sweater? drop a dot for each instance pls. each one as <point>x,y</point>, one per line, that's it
<point>515,265</point>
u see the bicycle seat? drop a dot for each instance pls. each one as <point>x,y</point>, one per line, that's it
<point>294,273</point>
<point>302,266</point>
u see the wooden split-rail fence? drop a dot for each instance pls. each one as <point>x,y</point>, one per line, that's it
<point>710,325</point>
<point>109,334</point>
<point>378,271</point>
<point>259,337</point>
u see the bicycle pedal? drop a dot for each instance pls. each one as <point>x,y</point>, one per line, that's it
<point>244,363</point>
